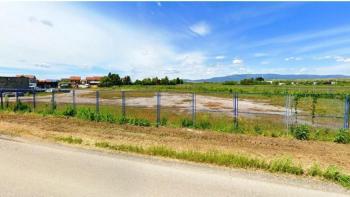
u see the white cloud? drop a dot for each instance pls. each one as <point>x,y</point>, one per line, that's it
<point>201,28</point>
<point>237,61</point>
<point>37,38</point>
<point>337,58</point>
<point>342,59</point>
<point>220,57</point>
<point>293,59</point>
<point>159,4</point>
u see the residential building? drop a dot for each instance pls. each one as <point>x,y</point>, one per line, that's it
<point>14,83</point>
<point>94,80</point>
<point>48,83</point>
<point>75,81</point>
<point>32,80</point>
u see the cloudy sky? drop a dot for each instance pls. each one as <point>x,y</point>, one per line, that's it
<point>188,40</point>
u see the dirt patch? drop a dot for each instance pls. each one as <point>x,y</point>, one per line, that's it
<point>174,100</point>
<point>305,152</point>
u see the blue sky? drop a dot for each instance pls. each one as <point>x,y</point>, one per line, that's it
<point>178,39</point>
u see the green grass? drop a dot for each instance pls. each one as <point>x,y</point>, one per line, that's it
<point>70,140</point>
<point>278,165</point>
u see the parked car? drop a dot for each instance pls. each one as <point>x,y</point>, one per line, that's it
<point>64,90</point>
<point>84,86</point>
<point>51,90</point>
<point>12,94</point>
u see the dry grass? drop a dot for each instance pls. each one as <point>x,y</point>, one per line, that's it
<point>179,139</point>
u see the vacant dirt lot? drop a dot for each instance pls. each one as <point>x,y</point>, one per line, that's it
<point>305,152</point>
<point>181,101</point>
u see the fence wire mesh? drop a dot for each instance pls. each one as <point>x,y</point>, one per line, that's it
<point>218,111</point>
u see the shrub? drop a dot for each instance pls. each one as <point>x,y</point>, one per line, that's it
<point>69,111</point>
<point>108,118</point>
<point>122,120</point>
<point>163,121</point>
<point>301,132</point>
<point>186,123</point>
<point>342,137</point>
<point>257,130</point>
<point>88,114</point>
<point>21,107</point>
<point>203,124</point>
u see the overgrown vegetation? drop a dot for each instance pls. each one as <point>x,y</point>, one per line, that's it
<point>21,107</point>
<point>301,132</point>
<point>342,137</point>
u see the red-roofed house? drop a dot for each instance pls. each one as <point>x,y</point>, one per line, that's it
<point>93,81</point>
<point>75,81</point>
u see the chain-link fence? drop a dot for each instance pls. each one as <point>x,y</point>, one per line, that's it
<point>215,111</point>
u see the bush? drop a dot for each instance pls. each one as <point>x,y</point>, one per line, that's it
<point>301,132</point>
<point>342,137</point>
<point>108,118</point>
<point>88,114</point>
<point>122,120</point>
<point>203,124</point>
<point>186,123</point>
<point>163,121</point>
<point>21,107</point>
<point>69,111</point>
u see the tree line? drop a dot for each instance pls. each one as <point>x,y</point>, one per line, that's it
<point>113,79</point>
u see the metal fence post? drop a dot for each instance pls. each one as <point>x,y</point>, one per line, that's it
<point>97,101</point>
<point>346,113</point>
<point>123,103</point>
<point>73,95</point>
<point>287,111</point>
<point>2,100</point>
<point>235,110</point>
<point>158,109</point>
<point>194,108</point>
<point>53,107</point>
<point>17,99</point>
<point>34,101</point>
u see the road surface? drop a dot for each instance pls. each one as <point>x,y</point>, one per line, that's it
<point>33,169</point>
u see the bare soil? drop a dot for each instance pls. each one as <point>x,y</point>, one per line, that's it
<point>173,100</point>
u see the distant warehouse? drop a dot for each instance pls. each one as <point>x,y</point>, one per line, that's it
<point>14,83</point>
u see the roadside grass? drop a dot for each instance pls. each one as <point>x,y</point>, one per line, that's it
<point>69,140</point>
<point>278,165</point>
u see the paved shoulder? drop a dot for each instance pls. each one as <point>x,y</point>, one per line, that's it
<point>28,169</point>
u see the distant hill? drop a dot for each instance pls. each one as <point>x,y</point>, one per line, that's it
<point>239,77</point>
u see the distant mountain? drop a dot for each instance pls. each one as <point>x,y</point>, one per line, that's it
<point>239,77</point>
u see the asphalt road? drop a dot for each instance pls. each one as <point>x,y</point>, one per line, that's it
<point>33,169</point>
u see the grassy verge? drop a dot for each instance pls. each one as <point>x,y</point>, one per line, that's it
<point>278,165</point>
